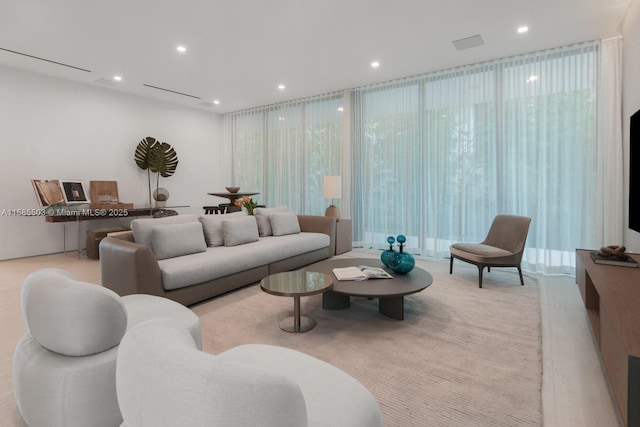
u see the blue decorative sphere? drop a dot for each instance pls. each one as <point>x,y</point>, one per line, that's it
<point>391,240</point>
<point>401,238</point>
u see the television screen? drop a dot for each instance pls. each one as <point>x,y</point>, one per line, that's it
<point>634,172</point>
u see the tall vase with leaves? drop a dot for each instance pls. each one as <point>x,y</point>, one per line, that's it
<point>156,157</point>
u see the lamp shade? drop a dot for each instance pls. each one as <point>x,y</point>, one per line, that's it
<point>332,187</point>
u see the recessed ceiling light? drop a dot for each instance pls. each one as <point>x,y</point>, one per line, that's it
<point>117,78</point>
<point>281,87</point>
<point>340,109</point>
<point>523,29</point>
<point>375,64</point>
<point>181,49</point>
<point>215,101</point>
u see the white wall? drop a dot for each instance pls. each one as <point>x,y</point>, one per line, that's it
<point>56,129</point>
<point>630,102</point>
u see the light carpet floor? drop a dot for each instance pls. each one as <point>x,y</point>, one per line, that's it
<point>463,356</point>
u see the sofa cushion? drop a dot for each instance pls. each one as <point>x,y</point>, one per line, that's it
<point>283,223</point>
<point>141,227</point>
<point>239,231</point>
<point>212,225</point>
<point>222,261</point>
<point>262,218</point>
<point>173,240</point>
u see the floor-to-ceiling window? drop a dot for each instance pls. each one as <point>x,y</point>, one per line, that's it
<point>436,157</point>
<point>388,163</point>
<point>549,138</point>
<point>283,151</point>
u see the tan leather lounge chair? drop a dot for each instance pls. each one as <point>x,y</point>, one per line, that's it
<point>503,246</point>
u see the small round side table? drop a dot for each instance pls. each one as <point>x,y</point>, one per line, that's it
<point>296,284</point>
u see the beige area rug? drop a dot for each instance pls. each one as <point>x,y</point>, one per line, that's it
<point>463,356</point>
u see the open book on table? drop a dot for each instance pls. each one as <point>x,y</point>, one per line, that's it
<point>361,272</point>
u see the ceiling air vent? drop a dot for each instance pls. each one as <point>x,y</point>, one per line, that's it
<point>468,42</point>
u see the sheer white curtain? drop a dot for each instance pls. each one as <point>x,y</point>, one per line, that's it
<point>610,157</point>
<point>283,151</point>
<point>387,163</point>
<point>436,158</point>
<point>549,134</point>
<point>460,156</point>
<point>245,133</point>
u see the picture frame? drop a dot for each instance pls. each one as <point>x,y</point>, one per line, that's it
<point>48,192</point>
<point>74,192</point>
<point>103,192</point>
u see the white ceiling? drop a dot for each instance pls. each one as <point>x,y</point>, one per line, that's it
<point>240,50</point>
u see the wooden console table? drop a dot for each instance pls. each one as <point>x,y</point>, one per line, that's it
<point>611,295</point>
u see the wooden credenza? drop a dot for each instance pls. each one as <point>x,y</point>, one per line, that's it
<point>611,295</point>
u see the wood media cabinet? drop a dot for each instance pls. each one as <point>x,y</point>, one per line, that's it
<point>611,295</point>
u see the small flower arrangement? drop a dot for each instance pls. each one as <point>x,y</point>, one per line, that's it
<point>247,203</point>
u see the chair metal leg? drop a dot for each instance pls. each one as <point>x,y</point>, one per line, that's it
<point>520,273</point>
<point>480,268</point>
<point>451,265</point>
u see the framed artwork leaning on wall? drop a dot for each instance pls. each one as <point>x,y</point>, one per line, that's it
<point>74,192</point>
<point>48,192</point>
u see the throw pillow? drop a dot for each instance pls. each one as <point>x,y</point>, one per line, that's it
<point>262,218</point>
<point>173,240</point>
<point>141,227</point>
<point>239,231</point>
<point>283,223</point>
<point>212,225</point>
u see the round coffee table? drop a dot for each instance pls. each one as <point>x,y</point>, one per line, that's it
<point>296,284</point>
<point>390,292</point>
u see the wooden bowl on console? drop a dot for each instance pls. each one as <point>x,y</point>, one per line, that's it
<point>232,189</point>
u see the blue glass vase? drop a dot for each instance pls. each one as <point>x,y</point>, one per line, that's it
<point>387,256</point>
<point>402,263</point>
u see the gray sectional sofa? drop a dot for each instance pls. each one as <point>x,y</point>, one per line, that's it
<point>190,259</point>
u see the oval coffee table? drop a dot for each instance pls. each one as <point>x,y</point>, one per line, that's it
<point>390,292</point>
<point>296,284</point>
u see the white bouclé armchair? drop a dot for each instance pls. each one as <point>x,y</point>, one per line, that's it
<point>64,367</point>
<point>163,379</point>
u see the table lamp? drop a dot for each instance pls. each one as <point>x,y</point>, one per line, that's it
<point>332,189</point>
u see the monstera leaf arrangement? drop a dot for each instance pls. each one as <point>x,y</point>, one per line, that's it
<point>156,157</point>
